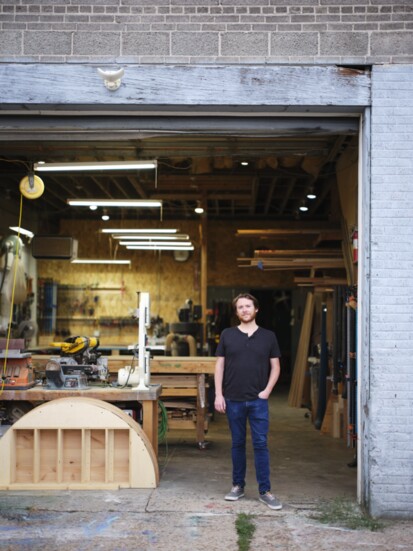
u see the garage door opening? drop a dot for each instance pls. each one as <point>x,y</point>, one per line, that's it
<point>280,220</point>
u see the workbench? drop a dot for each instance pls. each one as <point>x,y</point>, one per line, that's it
<point>180,377</point>
<point>149,399</point>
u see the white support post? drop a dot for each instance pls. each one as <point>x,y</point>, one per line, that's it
<point>144,323</point>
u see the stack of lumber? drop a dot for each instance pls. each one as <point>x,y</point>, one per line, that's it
<point>335,418</point>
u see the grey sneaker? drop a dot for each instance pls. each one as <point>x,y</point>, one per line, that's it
<point>271,501</point>
<point>235,493</point>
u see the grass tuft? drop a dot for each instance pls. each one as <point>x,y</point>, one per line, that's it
<point>245,530</point>
<point>347,514</point>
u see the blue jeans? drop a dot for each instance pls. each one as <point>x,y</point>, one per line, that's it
<point>256,411</point>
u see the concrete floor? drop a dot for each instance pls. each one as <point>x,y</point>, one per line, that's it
<point>187,511</point>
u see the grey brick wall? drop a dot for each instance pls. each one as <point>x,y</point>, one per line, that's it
<point>214,31</point>
<point>391,310</point>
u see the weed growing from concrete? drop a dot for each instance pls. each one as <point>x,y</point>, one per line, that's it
<point>245,530</point>
<point>347,514</point>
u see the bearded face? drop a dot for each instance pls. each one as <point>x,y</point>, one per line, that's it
<point>245,310</point>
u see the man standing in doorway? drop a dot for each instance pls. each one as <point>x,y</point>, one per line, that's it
<point>246,371</point>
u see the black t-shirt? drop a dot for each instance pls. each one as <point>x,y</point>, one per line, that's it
<point>247,362</point>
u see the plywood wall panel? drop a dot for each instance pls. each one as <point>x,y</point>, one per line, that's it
<point>168,282</point>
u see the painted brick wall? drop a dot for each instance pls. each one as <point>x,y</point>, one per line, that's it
<point>391,313</point>
<point>214,31</point>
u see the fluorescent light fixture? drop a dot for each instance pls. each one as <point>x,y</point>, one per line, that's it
<point>22,231</point>
<point>166,247</point>
<point>176,237</point>
<point>96,165</point>
<point>98,261</point>
<point>125,203</point>
<point>177,244</point>
<point>140,230</point>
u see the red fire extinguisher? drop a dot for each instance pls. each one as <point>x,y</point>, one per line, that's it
<point>355,238</point>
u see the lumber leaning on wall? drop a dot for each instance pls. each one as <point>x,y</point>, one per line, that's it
<point>300,366</point>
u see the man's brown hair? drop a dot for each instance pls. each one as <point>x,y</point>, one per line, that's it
<point>247,296</point>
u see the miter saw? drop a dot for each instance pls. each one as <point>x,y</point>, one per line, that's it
<point>78,364</point>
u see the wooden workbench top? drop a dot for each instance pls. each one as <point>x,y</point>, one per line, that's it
<point>40,393</point>
<point>159,364</point>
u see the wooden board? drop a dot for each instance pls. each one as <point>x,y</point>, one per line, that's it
<point>171,87</point>
<point>41,393</point>
<point>295,396</point>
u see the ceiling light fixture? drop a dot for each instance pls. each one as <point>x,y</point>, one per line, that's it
<point>96,165</point>
<point>199,209</point>
<point>177,245</point>
<point>123,203</point>
<point>166,247</point>
<point>22,231</point>
<point>138,230</point>
<point>311,195</point>
<point>177,237</point>
<point>99,261</point>
<point>303,207</point>
<point>244,163</point>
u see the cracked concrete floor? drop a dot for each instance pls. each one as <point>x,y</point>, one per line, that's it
<point>187,511</point>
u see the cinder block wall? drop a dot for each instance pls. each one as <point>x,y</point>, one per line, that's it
<point>214,31</point>
<point>391,313</point>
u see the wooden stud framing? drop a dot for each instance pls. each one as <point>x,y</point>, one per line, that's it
<point>77,443</point>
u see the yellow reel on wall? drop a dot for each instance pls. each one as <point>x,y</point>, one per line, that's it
<point>31,186</point>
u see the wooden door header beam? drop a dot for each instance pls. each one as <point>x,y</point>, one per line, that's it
<point>65,87</point>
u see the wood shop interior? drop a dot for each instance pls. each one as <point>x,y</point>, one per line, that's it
<point>108,241</point>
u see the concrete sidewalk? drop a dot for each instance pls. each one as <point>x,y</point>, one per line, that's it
<point>187,511</point>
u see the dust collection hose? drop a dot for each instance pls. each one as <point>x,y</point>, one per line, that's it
<point>189,339</point>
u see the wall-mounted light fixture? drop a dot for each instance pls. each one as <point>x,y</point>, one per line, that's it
<point>122,203</point>
<point>99,261</point>
<point>94,165</point>
<point>112,79</point>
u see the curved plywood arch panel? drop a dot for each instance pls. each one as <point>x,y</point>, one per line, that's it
<point>77,443</point>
